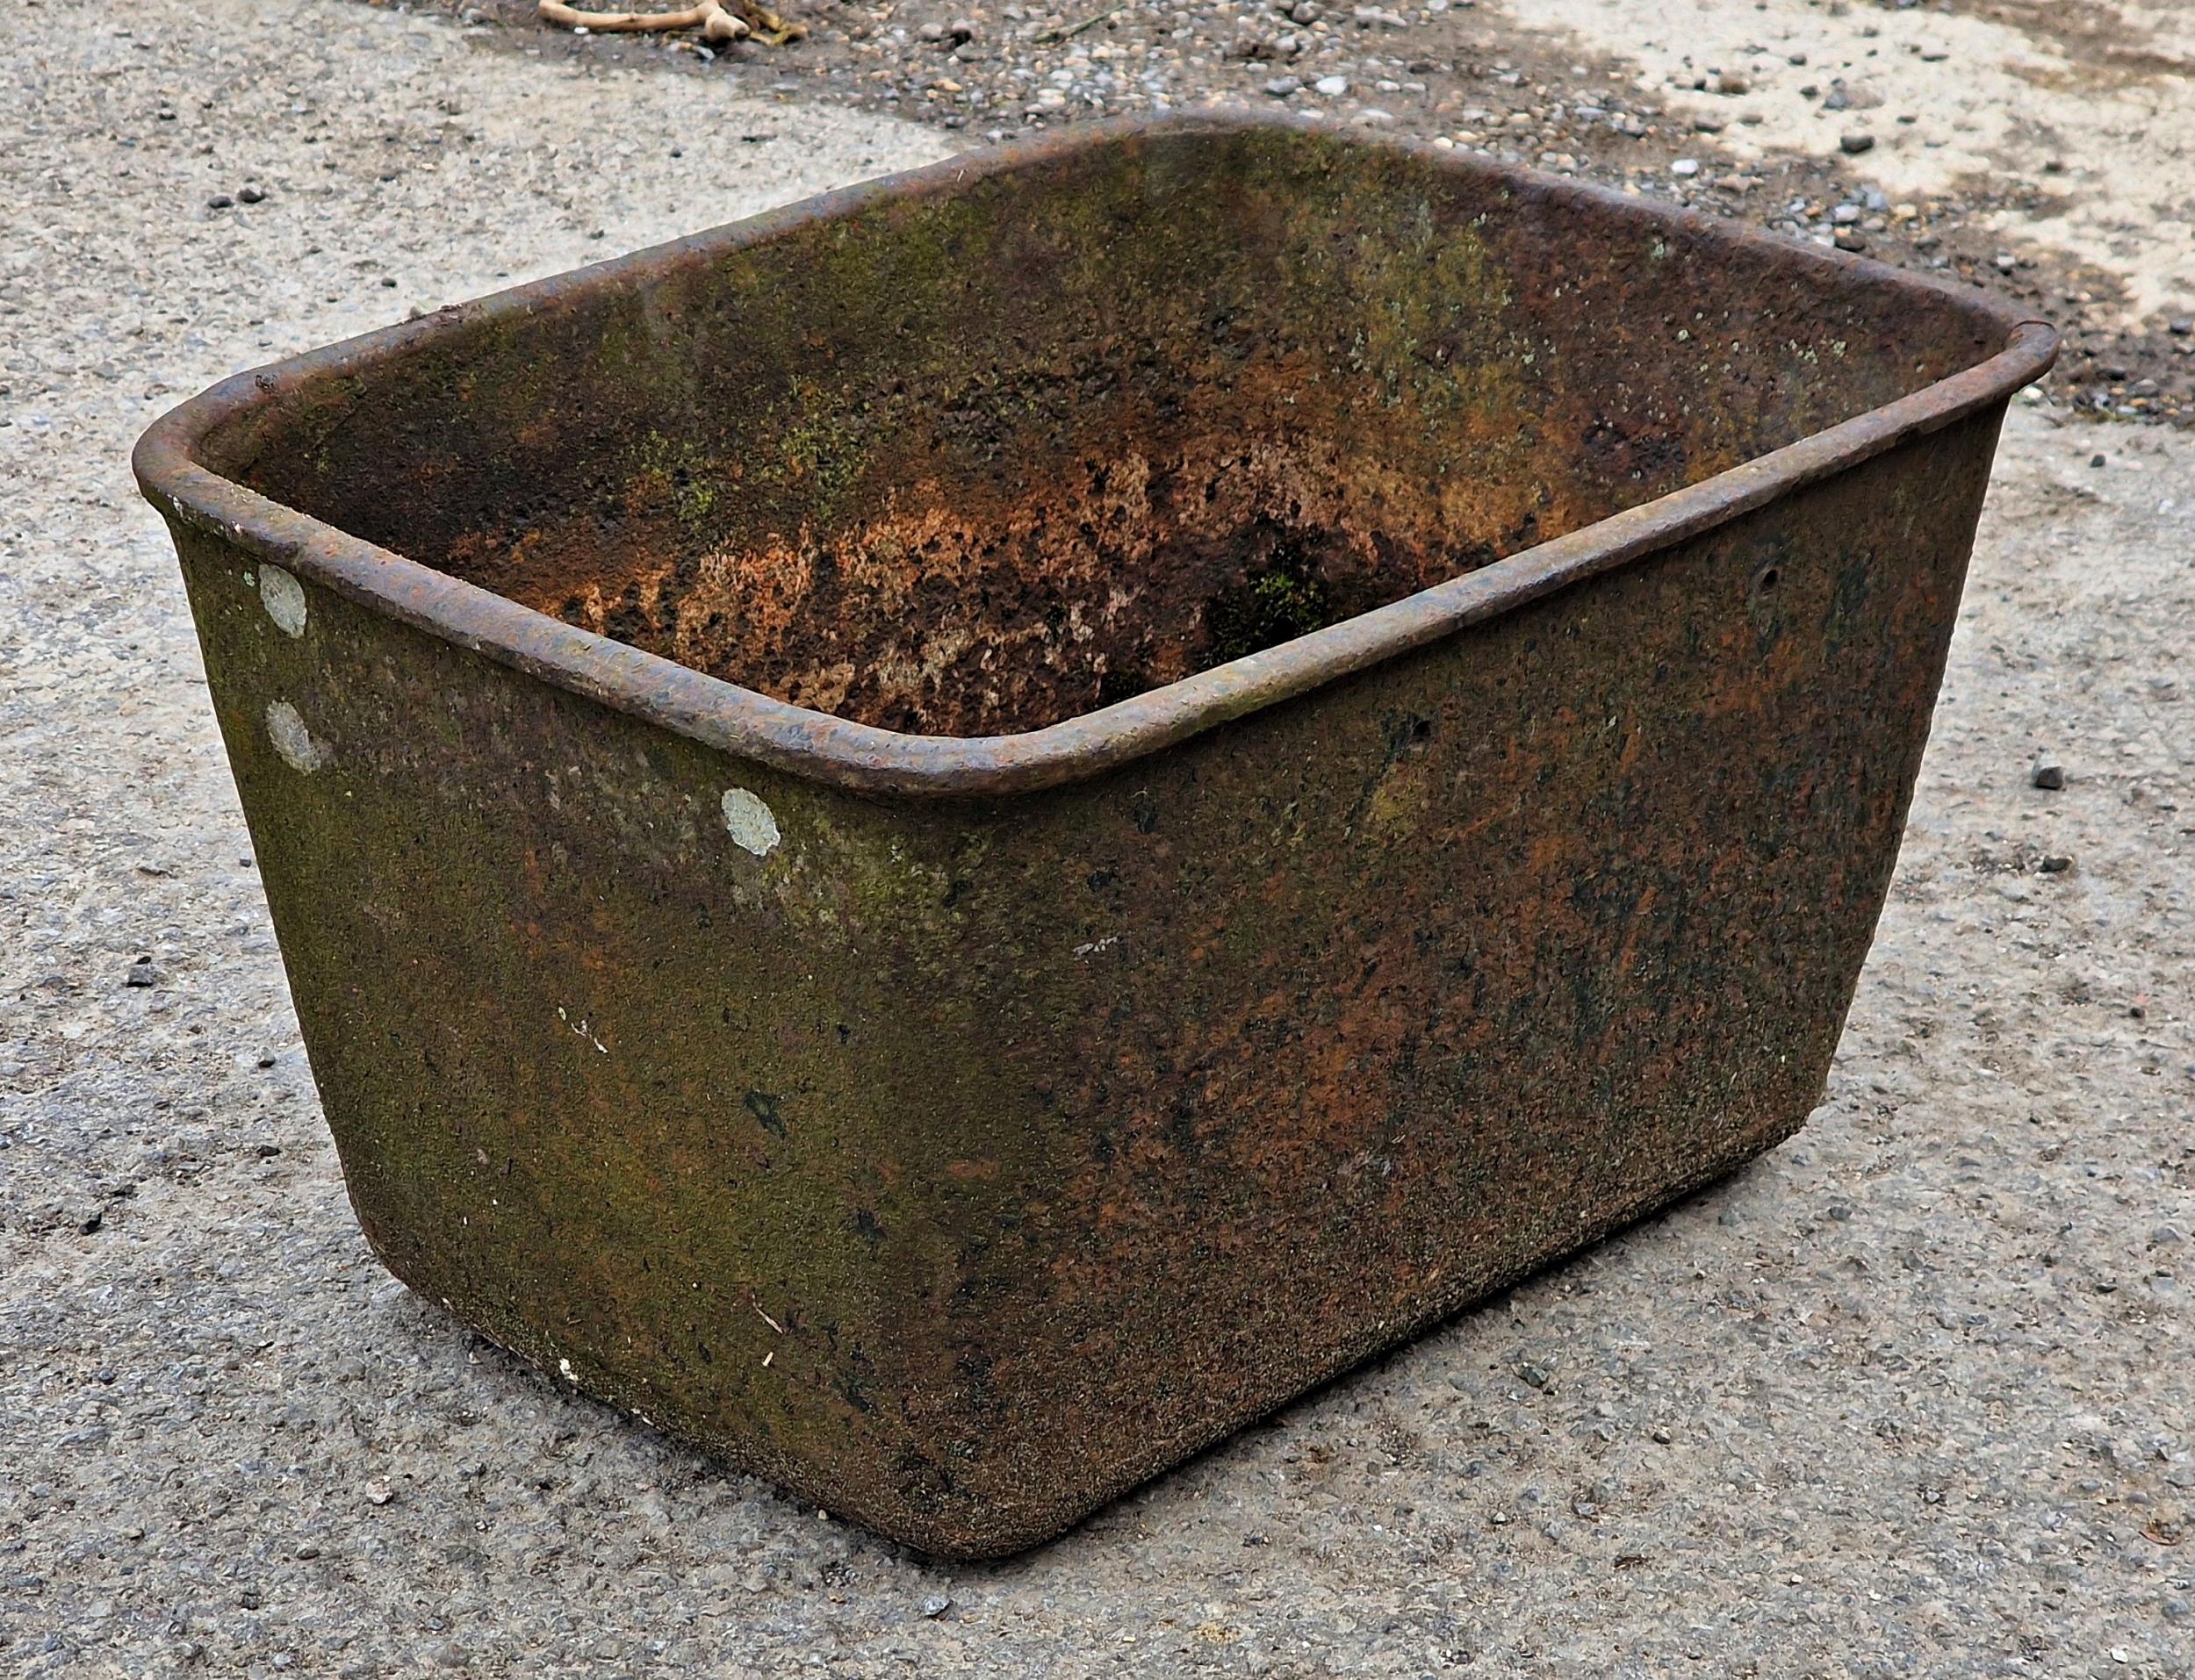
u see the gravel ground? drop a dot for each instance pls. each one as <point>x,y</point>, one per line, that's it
<point>1908,1396</point>
<point>2045,146</point>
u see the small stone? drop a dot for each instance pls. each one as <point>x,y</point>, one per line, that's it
<point>2184,327</point>
<point>220,201</point>
<point>142,972</point>
<point>936,1605</point>
<point>1283,87</point>
<point>1845,215</point>
<point>251,193</point>
<point>1534,1375</point>
<point>1853,144</point>
<point>2047,773</point>
<point>1727,83</point>
<point>2054,865</point>
<point>1850,238</point>
<point>1687,166</point>
<point>1370,118</point>
<point>1332,86</point>
<point>2096,460</point>
<point>378,1492</point>
<point>1706,125</point>
<point>1659,1435</point>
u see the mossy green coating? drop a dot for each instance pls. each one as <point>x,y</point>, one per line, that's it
<point>958,1162</point>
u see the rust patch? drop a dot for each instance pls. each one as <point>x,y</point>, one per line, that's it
<point>1512,617</point>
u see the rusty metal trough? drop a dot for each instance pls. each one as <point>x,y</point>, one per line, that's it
<point>953,839</point>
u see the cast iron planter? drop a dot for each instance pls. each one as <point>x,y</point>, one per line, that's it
<point>954,839</point>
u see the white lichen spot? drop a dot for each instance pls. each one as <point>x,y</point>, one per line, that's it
<point>292,740</point>
<point>582,1029</point>
<point>570,1375</point>
<point>751,824</point>
<point>284,597</point>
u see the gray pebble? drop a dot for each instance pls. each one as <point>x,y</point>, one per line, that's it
<point>1853,144</point>
<point>2047,773</point>
<point>936,1605</point>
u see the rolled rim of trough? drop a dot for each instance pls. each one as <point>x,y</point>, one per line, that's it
<point>858,756</point>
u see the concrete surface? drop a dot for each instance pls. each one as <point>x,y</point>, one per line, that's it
<point>2091,105</point>
<point>1910,1396</point>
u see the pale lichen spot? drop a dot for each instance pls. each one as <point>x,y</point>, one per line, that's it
<point>284,597</point>
<point>751,821</point>
<point>292,740</point>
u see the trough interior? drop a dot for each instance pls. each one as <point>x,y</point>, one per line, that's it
<point>1001,451</point>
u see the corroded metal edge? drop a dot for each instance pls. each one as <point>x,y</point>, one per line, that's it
<point>837,752</point>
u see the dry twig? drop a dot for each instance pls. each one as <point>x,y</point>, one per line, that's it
<point>717,21</point>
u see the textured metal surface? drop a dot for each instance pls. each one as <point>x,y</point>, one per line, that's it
<point>1023,1030</point>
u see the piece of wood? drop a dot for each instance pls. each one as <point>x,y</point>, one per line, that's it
<point>711,18</point>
